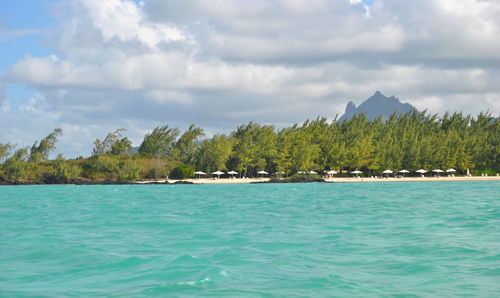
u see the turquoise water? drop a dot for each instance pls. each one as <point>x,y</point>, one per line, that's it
<point>272,240</point>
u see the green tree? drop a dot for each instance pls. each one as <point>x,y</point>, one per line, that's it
<point>182,171</point>
<point>296,150</point>
<point>5,151</point>
<point>159,142</point>
<point>214,153</point>
<point>100,167</point>
<point>122,146</point>
<point>495,139</point>
<point>63,171</point>
<point>17,168</point>
<point>187,145</point>
<point>41,149</point>
<point>114,143</point>
<point>126,169</point>
<point>254,148</point>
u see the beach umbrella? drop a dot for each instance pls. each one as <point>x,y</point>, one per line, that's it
<point>421,171</point>
<point>232,173</point>
<point>262,173</point>
<point>356,173</point>
<point>301,172</point>
<point>218,173</point>
<point>451,172</point>
<point>332,172</point>
<point>438,171</point>
<point>387,172</point>
<point>313,172</point>
<point>200,173</point>
<point>404,172</point>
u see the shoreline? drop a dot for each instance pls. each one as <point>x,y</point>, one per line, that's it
<point>207,181</point>
<point>325,180</point>
<point>200,181</point>
<point>413,179</point>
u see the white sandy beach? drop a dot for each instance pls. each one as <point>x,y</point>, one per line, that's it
<point>413,179</point>
<point>330,180</point>
<point>209,181</point>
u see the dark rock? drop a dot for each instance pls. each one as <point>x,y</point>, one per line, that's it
<point>378,105</point>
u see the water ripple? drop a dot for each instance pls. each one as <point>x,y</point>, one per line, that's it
<point>298,240</point>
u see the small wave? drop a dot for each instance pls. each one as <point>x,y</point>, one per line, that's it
<point>193,282</point>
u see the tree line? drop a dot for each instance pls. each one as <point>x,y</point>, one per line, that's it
<point>409,141</point>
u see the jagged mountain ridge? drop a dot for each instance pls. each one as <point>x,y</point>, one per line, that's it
<point>378,105</point>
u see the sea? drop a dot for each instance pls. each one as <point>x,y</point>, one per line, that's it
<point>423,239</point>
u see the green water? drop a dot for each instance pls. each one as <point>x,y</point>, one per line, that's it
<point>273,240</point>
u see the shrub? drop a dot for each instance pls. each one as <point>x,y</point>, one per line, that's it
<point>127,170</point>
<point>299,178</point>
<point>62,171</point>
<point>182,171</point>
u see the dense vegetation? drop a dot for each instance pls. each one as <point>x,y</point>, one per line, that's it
<point>411,141</point>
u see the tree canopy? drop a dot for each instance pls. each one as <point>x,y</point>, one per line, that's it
<point>410,141</point>
<point>114,143</point>
<point>159,142</point>
<point>41,149</point>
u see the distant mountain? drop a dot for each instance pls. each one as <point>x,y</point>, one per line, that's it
<point>375,106</point>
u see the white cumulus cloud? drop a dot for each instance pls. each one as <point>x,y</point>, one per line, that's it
<point>120,63</point>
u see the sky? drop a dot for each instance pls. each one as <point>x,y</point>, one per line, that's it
<point>90,67</point>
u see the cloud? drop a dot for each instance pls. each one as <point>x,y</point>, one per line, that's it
<point>219,63</point>
<point>8,34</point>
<point>4,105</point>
<point>2,91</point>
<point>125,21</point>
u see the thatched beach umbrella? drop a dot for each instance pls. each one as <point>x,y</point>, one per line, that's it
<point>421,172</point>
<point>387,172</point>
<point>332,172</point>
<point>218,173</point>
<point>262,173</point>
<point>232,173</point>
<point>356,173</point>
<point>437,171</point>
<point>200,173</point>
<point>404,172</point>
<point>451,171</point>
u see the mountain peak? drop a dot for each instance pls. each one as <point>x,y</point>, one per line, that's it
<point>351,107</point>
<point>377,105</point>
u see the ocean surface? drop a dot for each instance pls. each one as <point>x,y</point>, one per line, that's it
<point>270,240</point>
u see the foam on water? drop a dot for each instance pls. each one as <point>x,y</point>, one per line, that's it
<point>381,239</point>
